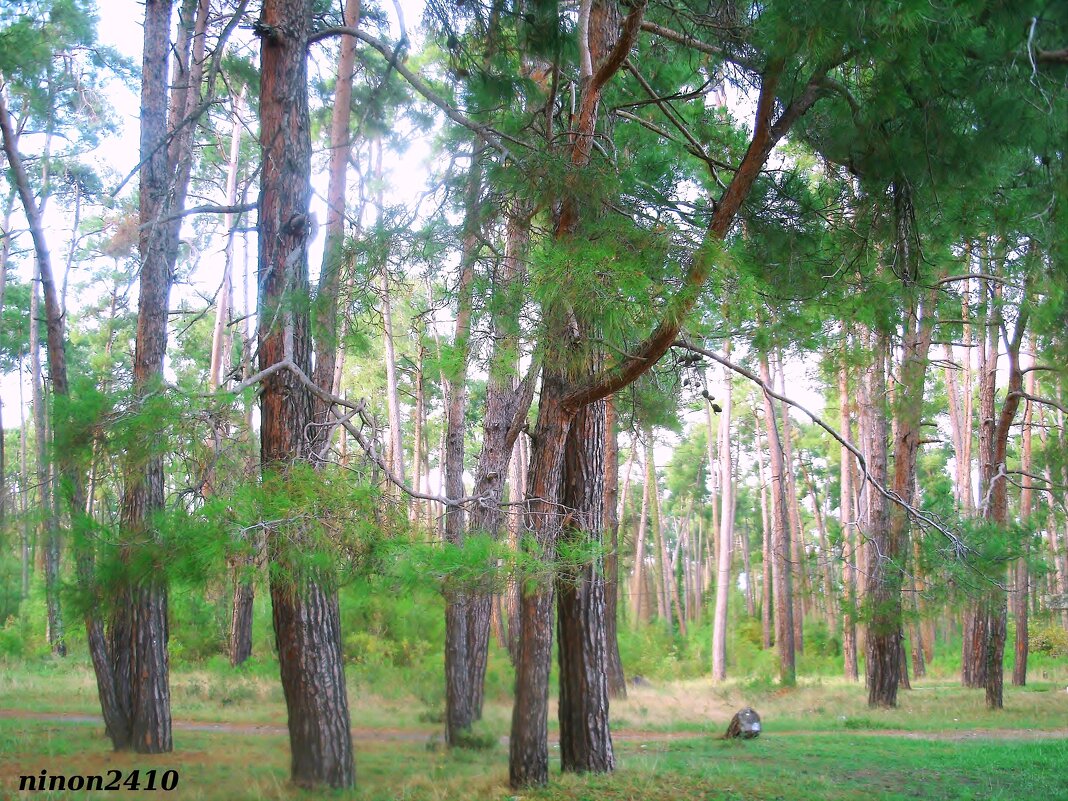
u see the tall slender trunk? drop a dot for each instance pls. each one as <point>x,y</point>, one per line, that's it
<point>766,548</point>
<point>508,400</point>
<point>637,584</point>
<point>826,560</point>
<point>114,699</point>
<point>459,706</point>
<point>1022,586</point>
<point>396,442</point>
<point>726,533</point>
<point>306,618</point>
<point>798,558</point>
<point>780,544</point>
<point>617,683</point>
<point>48,523</point>
<point>656,523</point>
<point>5,254</point>
<point>139,629</point>
<point>884,570</point>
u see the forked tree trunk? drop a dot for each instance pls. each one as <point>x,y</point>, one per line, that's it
<point>305,606</point>
<point>507,403</point>
<point>459,701</point>
<point>528,748</point>
<point>140,625</point>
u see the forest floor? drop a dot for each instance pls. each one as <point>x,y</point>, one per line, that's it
<point>820,743</point>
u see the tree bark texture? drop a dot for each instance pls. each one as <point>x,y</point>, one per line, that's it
<point>585,740</point>
<point>305,607</point>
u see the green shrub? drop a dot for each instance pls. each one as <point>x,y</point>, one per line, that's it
<point>1049,639</point>
<point>11,644</point>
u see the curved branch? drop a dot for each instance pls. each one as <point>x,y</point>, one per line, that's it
<point>922,518</point>
<point>483,132</point>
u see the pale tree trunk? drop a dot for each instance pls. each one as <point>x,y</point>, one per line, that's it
<point>416,514</point>
<point>766,549</point>
<point>617,683</point>
<point>663,599</point>
<point>637,584</point>
<point>517,480</point>
<point>240,642</point>
<point>850,535</point>
<point>780,543</point>
<point>798,554</point>
<point>750,593</point>
<point>1022,587</point>
<point>5,254</point>
<point>24,494</point>
<point>726,533</point>
<point>396,443</point>
<point>48,525</point>
<point>826,562</point>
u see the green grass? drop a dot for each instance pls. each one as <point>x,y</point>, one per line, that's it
<point>825,767</point>
<point>821,742</point>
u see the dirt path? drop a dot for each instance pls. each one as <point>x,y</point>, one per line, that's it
<point>625,735</point>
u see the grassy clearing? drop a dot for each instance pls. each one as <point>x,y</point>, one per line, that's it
<point>821,742</point>
<point>826,767</point>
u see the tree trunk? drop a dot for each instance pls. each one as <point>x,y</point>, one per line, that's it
<point>528,748</point>
<point>5,254</point>
<point>797,559</point>
<point>780,543</point>
<point>585,740</point>
<point>637,584</point>
<point>113,702</point>
<point>48,525</point>
<point>766,548</point>
<point>884,572</point>
<point>459,700</point>
<point>1022,586</point>
<point>617,682</point>
<point>507,402</point>
<point>660,576</point>
<point>726,533</point>
<point>396,442</point>
<point>304,600</point>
